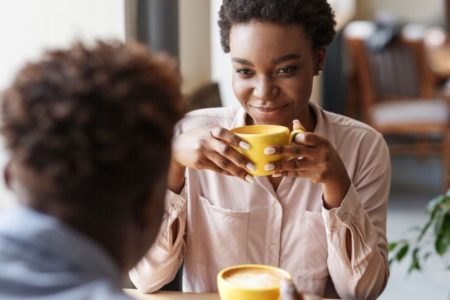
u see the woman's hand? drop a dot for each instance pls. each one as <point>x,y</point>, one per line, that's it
<point>211,149</point>
<point>288,291</point>
<point>312,156</point>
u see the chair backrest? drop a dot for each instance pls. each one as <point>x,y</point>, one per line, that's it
<point>208,95</point>
<point>397,71</point>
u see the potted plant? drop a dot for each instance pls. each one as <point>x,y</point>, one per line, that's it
<point>430,239</point>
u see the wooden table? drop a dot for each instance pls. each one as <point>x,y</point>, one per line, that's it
<point>163,295</point>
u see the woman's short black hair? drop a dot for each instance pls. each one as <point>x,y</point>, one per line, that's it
<point>96,122</point>
<point>316,17</point>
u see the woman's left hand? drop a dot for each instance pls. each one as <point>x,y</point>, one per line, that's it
<point>312,156</point>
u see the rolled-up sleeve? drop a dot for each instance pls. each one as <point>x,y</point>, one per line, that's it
<point>161,263</point>
<point>363,211</point>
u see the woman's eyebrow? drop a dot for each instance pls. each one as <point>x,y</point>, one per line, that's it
<point>276,60</point>
<point>242,61</point>
<point>286,57</point>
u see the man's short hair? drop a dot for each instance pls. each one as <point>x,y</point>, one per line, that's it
<point>96,122</point>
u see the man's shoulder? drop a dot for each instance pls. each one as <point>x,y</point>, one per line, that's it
<point>68,285</point>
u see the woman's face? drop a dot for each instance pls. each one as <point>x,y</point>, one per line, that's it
<point>273,70</point>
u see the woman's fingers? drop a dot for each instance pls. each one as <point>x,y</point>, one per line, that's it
<point>288,291</point>
<point>226,151</point>
<point>309,139</point>
<point>228,160</point>
<point>228,137</point>
<point>292,165</point>
<point>293,150</point>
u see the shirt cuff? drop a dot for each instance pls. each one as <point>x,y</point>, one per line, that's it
<point>344,215</point>
<point>174,212</point>
<point>174,205</point>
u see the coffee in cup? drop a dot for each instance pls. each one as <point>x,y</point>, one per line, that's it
<point>251,282</point>
<point>260,137</point>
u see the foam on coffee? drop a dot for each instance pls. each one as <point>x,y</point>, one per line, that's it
<point>253,278</point>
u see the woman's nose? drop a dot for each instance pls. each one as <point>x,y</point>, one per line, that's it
<point>264,88</point>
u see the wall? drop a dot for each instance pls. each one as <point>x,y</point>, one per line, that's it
<point>28,27</point>
<point>428,12</point>
<point>194,43</point>
<point>220,64</point>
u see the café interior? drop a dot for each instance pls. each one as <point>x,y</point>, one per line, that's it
<point>389,67</point>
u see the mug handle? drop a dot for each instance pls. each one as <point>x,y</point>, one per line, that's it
<point>293,134</point>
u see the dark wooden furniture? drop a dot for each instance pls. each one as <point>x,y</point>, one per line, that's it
<point>396,94</point>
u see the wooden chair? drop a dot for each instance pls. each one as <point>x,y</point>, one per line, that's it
<point>207,95</point>
<point>396,93</point>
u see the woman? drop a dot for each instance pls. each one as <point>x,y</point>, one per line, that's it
<point>321,217</point>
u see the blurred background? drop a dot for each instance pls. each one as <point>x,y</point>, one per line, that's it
<point>389,66</point>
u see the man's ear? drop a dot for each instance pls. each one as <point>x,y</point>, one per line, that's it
<point>319,57</point>
<point>7,176</point>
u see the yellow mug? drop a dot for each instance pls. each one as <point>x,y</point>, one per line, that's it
<point>260,137</point>
<point>251,282</point>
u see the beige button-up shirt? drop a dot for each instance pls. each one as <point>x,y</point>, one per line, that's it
<point>224,220</point>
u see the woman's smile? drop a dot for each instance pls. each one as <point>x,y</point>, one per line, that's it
<point>268,113</point>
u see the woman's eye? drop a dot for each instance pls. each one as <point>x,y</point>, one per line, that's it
<point>287,70</point>
<point>244,72</point>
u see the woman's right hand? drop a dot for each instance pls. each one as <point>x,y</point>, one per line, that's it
<point>209,148</point>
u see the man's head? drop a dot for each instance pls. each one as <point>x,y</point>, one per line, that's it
<point>315,16</point>
<point>89,130</point>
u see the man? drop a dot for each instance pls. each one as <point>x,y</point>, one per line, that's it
<point>89,131</point>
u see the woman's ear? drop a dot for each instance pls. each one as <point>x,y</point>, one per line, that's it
<point>319,60</point>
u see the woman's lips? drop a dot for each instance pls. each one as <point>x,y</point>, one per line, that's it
<point>265,112</point>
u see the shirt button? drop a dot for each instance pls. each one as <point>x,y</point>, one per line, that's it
<point>273,248</point>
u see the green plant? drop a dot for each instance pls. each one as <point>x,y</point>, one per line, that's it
<point>432,238</point>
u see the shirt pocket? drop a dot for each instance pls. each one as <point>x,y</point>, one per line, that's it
<point>221,238</point>
<point>313,248</point>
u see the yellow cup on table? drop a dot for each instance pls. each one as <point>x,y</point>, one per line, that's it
<point>251,282</point>
<point>260,137</point>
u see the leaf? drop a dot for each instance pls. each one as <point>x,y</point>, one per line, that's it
<point>392,246</point>
<point>441,244</point>
<point>439,222</point>
<point>402,252</point>
<point>415,262</point>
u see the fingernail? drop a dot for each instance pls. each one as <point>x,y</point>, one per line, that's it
<point>215,131</point>
<point>269,167</point>
<point>249,178</point>
<point>269,150</point>
<point>297,125</point>
<point>300,137</point>
<point>250,167</point>
<point>276,175</point>
<point>244,145</point>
